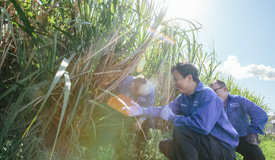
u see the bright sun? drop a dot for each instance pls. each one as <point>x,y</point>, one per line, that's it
<point>188,9</point>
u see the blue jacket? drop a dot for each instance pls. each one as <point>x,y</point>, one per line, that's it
<point>202,112</point>
<point>238,108</point>
<point>145,100</point>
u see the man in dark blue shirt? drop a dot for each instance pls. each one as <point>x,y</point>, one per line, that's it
<point>238,109</point>
<point>108,128</point>
<point>201,127</point>
<point>139,89</point>
<point>143,92</point>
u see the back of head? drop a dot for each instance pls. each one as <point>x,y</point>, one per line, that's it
<point>185,68</point>
<point>141,86</point>
<point>139,81</point>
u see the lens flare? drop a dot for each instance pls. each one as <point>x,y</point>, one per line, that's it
<point>161,36</point>
<point>145,89</point>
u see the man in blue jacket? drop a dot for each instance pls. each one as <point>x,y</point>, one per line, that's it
<point>238,109</point>
<point>108,129</point>
<point>201,127</point>
<point>143,92</point>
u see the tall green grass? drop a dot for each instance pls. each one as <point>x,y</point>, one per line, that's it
<point>95,36</point>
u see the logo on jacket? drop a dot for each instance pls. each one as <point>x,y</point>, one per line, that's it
<point>196,103</point>
<point>234,105</point>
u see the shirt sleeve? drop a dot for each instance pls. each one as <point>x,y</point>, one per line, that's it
<point>154,112</point>
<point>150,100</point>
<point>204,116</point>
<point>258,117</point>
<point>124,85</point>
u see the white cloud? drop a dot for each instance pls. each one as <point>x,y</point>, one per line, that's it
<point>233,67</point>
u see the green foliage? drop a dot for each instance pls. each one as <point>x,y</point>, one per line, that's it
<point>238,156</point>
<point>106,152</point>
<point>87,33</point>
<point>152,148</point>
<point>125,145</point>
<point>267,146</point>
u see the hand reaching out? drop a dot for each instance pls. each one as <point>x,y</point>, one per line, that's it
<point>134,110</point>
<point>166,113</point>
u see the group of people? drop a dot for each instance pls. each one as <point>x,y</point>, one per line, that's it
<point>209,123</point>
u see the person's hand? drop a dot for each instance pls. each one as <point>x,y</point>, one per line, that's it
<point>138,124</point>
<point>253,139</point>
<point>166,113</point>
<point>134,110</point>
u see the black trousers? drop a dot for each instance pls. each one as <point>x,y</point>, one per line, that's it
<point>189,145</point>
<point>249,151</point>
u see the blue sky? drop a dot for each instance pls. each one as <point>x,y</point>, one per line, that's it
<point>242,33</point>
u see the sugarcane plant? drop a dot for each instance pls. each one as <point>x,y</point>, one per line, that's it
<point>64,54</point>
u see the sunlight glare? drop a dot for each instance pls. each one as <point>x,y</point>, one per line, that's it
<point>188,9</point>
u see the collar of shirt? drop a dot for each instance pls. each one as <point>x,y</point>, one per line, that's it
<point>229,96</point>
<point>198,89</point>
<point>228,100</point>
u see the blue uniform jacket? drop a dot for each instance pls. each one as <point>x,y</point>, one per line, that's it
<point>142,100</point>
<point>238,108</point>
<point>202,112</point>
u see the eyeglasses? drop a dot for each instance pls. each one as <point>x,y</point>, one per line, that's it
<point>215,90</point>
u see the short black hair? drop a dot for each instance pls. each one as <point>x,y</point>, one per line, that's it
<point>186,68</point>
<point>219,82</point>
